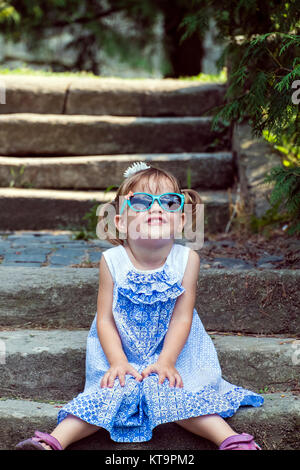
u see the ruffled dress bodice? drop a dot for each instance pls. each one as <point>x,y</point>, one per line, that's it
<point>144,302</point>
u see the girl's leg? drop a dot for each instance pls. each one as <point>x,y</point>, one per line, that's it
<point>72,429</point>
<point>211,427</point>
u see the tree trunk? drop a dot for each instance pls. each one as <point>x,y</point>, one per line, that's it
<point>185,58</point>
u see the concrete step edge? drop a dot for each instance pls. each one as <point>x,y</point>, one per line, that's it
<point>256,363</point>
<point>123,158</point>
<point>226,300</point>
<point>274,426</point>
<point>59,209</point>
<point>101,95</point>
<point>33,118</point>
<point>207,170</point>
<point>54,134</point>
<point>209,196</point>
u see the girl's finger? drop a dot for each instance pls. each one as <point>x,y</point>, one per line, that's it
<point>112,379</point>
<point>179,382</point>
<point>146,371</point>
<point>172,380</point>
<point>122,379</point>
<point>134,372</point>
<point>161,378</point>
<point>104,380</point>
<point>137,374</point>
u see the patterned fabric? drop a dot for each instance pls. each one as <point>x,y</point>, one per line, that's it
<point>143,302</point>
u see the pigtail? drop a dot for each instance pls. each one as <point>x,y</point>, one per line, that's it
<point>193,207</point>
<point>106,228</point>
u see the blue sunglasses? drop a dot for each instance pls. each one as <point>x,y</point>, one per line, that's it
<point>171,202</point>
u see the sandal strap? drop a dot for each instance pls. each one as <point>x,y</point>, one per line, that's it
<point>50,440</point>
<point>241,441</point>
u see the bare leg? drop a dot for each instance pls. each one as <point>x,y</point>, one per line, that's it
<point>211,427</point>
<point>71,429</point>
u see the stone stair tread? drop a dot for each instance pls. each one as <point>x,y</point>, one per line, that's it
<point>106,118</point>
<point>110,83</point>
<point>105,95</point>
<point>255,363</point>
<point>274,426</point>
<point>226,300</point>
<point>51,208</point>
<point>209,170</point>
<point>54,134</point>
<point>155,157</point>
<point>209,196</point>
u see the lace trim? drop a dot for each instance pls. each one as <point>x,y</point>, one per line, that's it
<point>150,288</point>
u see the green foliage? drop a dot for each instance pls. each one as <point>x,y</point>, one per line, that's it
<point>286,195</point>
<point>25,70</point>
<point>290,153</point>
<point>262,53</point>
<point>91,25</point>
<point>263,93</point>
<point>220,77</point>
<point>89,230</point>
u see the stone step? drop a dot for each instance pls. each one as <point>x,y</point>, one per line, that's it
<point>207,170</point>
<point>247,301</point>
<point>39,209</point>
<point>53,134</point>
<point>54,361</point>
<point>274,425</point>
<point>114,96</point>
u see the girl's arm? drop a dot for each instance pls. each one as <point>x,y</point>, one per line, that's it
<point>182,316</point>
<point>106,327</point>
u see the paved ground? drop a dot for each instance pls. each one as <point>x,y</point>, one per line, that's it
<point>46,248</point>
<point>38,249</point>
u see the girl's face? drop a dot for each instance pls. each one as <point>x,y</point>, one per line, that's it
<point>154,223</point>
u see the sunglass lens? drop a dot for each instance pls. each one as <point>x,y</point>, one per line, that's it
<point>170,202</point>
<point>140,202</point>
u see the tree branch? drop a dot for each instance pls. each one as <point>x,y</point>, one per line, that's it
<point>84,20</point>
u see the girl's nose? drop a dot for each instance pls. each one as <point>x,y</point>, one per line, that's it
<point>156,205</point>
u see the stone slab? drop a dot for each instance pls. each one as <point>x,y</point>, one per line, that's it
<point>52,134</point>
<point>211,170</point>
<point>255,158</point>
<point>36,209</point>
<point>105,95</point>
<point>257,364</point>
<point>275,426</point>
<point>246,301</point>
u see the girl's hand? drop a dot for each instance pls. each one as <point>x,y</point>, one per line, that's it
<point>164,369</point>
<point>119,370</point>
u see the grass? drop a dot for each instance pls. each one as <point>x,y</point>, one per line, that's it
<point>46,73</point>
<point>202,77</point>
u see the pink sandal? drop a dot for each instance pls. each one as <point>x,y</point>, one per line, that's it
<point>241,442</point>
<point>34,442</point>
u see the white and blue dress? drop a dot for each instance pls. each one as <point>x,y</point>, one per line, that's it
<point>143,302</point>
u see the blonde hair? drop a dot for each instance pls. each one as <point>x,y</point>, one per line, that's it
<point>142,177</point>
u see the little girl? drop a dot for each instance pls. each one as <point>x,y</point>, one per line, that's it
<point>149,359</point>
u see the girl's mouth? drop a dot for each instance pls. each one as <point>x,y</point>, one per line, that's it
<point>155,221</point>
